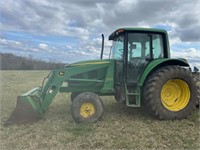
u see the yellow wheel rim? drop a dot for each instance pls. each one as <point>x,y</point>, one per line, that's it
<point>87,110</point>
<point>175,94</point>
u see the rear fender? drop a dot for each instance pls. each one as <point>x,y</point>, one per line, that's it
<point>155,64</point>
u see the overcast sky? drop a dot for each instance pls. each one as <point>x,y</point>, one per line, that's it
<point>70,30</point>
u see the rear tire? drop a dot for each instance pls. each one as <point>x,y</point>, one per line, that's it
<point>170,93</point>
<point>87,108</point>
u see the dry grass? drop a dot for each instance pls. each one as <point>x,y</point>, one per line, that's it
<point>120,127</point>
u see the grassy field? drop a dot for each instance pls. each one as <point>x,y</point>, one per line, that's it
<point>120,127</point>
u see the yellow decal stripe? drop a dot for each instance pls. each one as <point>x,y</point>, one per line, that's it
<point>90,63</point>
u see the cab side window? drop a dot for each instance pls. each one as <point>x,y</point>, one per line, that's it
<point>139,45</point>
<point>157,46</point>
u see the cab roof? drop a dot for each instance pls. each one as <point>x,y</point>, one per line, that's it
<point>132,29</point>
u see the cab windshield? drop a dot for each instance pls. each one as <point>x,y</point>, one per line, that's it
<point>117,48</point>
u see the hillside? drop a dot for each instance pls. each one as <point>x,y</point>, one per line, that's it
<point>13,62</point>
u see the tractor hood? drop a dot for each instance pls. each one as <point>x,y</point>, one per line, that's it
<point>91,69</point>
<point>93,74</point>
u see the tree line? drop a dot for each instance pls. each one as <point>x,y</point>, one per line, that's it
<point>13,62</point>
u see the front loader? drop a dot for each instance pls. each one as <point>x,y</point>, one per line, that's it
<point>139,72</point>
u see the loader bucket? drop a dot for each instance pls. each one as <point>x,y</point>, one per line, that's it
<point>27,109</point>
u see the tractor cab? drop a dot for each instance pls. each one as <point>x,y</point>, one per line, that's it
<point>133,49</point>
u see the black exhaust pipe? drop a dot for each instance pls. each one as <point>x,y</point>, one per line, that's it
<point>102,46</point>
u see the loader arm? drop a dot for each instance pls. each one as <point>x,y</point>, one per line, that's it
<point>51,88</point>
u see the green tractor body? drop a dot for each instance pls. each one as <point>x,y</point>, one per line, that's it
<point>138,55</point>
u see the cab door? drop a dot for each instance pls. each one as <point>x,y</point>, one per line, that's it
<point>141,49</point>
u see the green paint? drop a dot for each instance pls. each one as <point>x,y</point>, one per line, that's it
<point>158,62</point>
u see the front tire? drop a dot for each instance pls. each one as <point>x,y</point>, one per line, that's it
<point>170,93</point>
<point>73,95</point>
<point>87,108</point>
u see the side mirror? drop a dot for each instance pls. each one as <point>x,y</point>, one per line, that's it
<point>133,46</point>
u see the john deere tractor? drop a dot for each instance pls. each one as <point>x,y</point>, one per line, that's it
<point>139,72</point>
